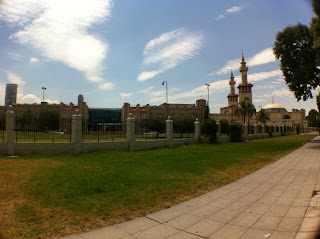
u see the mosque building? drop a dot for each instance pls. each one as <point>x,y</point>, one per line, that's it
<point>279,116</point>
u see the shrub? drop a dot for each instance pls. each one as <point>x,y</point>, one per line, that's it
<point>235,132</point>
<point>224,126</point>
<point>209,129</point>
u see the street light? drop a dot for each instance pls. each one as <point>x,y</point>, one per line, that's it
<point>166,90</point>
<point>43,88</point>
<point>208,85</point>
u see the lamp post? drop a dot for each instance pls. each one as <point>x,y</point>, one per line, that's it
<point>43,88</point>
<point>208,85</point>
<point>165,82</point>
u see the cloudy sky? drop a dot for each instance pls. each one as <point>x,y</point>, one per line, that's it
<point>113,52</point>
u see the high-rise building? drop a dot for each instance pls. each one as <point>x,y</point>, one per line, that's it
<point>80,99</point>
<point>11,94</point>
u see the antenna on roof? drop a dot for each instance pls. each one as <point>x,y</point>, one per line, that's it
<point>272,100</point>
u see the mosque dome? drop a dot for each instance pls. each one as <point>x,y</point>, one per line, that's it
<point>201,98</point>
<point>275,107</point>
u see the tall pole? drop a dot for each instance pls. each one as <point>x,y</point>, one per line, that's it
<point>208,85</point>
<point>165,82</point>
<point>43,88</point>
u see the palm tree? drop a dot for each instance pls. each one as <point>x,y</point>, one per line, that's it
<point>263,116</point>
<point>245,110</point>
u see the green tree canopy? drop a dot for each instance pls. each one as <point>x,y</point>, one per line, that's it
<point>294,48</point>
<point>157,124</point>
<point>184,125</point>
<point>263,116</point>
<point>245,110</point>
<point>298,48</point>
<point>312,118</point>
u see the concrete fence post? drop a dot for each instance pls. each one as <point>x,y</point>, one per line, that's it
<point>255,129</point>
<point>246,130</point>
<point>197,129</point>
<point>77,132</point>
<point>169,130</point>
<point>218,131</point>
<point>131,128</point>
<point>274,128</point>
<point>10,131</point>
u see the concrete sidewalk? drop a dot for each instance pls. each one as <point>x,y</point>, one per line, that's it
<point>277,201</point>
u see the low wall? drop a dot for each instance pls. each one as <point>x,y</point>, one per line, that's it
<point>29,148</point>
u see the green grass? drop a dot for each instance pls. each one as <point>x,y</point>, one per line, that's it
<point>61,194</point>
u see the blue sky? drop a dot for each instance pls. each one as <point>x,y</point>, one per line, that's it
<point>113,52</point>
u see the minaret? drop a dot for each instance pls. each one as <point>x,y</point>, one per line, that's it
<point>245,92</point>
<point>232,97</point>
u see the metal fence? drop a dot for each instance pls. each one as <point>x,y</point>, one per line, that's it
<point>2,128</point>
<point>103,132</point>
<point>31,129</point>
<point>149,129</point>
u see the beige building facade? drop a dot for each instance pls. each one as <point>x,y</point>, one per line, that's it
<point>175,111</point>
<point>64,111</point>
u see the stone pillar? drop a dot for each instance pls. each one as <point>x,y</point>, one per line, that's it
<point>218,131</point>
<point>246,130</point>
<point>10,131</point>
<point>77,132</point>
<point>263,129</point>
<point>197,129</point>
<point>274,128</point>
<point>131,130</point>
<point>255,129</point>
<point>169,130</point>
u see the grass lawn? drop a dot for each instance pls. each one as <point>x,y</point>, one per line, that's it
<point>44,196</point>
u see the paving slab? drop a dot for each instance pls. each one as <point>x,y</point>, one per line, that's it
<point>279,201</point>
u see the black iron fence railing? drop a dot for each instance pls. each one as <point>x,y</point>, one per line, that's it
<point>100,132</point>
<point>30,129</point>
<point>2,128</point>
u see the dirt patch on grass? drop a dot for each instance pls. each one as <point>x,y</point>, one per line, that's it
<point>13,173</point>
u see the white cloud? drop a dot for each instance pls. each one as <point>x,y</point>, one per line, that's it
<point>59,30</point>
<point>33,59</point>
<point>234,9</point>
<point>125,95</point>
<point>31,98</point>
<point>106,86</point>
<point>220,17</point>
<point>263,57</point>
<point>15,55</point>
<point>263,75</point>
<point>282,92</point>
<point>14,79</point>
<point>169,50</point>
<point>146,75</point>
<point>229,11</point>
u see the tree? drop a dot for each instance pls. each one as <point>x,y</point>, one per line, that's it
<point>294,48</point>
<point>224,126</point>
<point>263,116</point>
<point>235,132</point>
<point>298,48</point>
<point>312,118</point>
<point>315,29</point>
<point>245,110</point>
<point>155,124</point>
<point>184,125</point>
<point>209,128</point>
